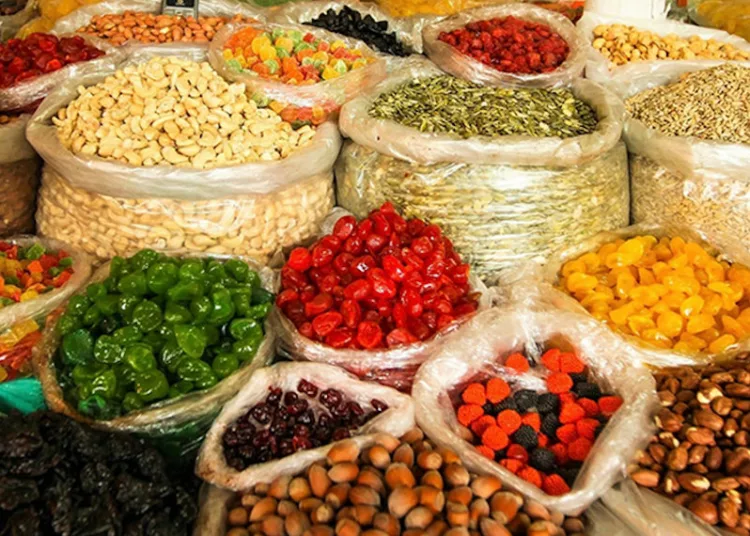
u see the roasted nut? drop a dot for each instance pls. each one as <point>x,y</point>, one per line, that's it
<point>705,510</point>
<point>645,477</point>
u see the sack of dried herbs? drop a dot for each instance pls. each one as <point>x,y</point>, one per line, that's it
<point>528,67</point>
<point>689,145</point>
<point>507,183</point>
<point>625,53</point>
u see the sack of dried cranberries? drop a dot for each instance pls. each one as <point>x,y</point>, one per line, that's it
<point>374,297</point>
<point>514,45</point>
<point>289,416</point>
<point>541,384</point>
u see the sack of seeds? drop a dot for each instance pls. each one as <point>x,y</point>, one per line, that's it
<point>675,293</point>
<point>689,147</point>
<point>387,35</point>
<point>251,443</point>
<point>625,53</point>
<point>552,404</point>
<point>503,191</point>
<point>552,53</point>
<point>19,176</point>
<point>107,20</point>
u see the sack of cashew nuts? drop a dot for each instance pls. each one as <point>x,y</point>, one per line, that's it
<point>139,21</point>
<point>231,459</point>
<point>176,422</point>
<point>19,176</point>
<point>552,404</point>
<point>173,169</point>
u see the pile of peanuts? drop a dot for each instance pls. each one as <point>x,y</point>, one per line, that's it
<point>178,112</point>
<point>395,487</point>
<point>118,28</point>
<point>623,44</point>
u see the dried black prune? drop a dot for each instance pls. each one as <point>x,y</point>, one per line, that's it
<point>15,492</point>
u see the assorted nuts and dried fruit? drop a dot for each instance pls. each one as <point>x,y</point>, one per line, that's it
<point>119,28</point>
<point>668,292</point>
<point>407,486</point>
<point>699,457</point>
<point>622,44</point>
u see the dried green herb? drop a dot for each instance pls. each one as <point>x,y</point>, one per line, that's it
<point>446,104</point>
<point>713,104</point>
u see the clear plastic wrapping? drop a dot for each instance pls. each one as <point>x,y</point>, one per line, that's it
<point>464,66</point>
<point>19,178</point>
<point>328,94</point>
<point>491,336</point>
<point>211,465</point>
<point>647,74</point>
<point>213,507</point>
<point>727,247</point>
<point>501,200</point>
<point>177,423</point>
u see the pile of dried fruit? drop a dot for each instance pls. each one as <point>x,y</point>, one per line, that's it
<point>699,457</point>
<point>119,28</point>
<point>510,45</point>
<point>26,272</point>
<point>24,59</point>
<point>542,438</point>
<point>287,422</point>
<point>58,476</point>
<point>382,282</point>
<point>623,44</point>
<point>408,487</point>
<point>290,56</point>
<point>16,345</point>
<point>668,292</point>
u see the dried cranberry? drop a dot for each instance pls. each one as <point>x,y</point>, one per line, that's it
<point>307,388</point>
<point>262,413</point>
<point>378,405</point>
<point>330,398</point>
<point>341,433</point>
<point>300,259</point>
<point>274,396</point>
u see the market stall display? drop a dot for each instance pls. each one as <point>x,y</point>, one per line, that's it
<point>19,176</point>
<point>388,486</point>
<point>490,350</point>
<point>505,187</point>
<point>374,297</point>
<point>732,16</point>
<point>246,183</point>
<point>248,444</point>
<point>62,477</point>
<point>689,148</point>
<point>517,45</point>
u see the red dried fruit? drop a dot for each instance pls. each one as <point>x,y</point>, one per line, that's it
<point>567,433</point>
<point>494,438</point>
<point>369,335</point>
<point>559,382</point>
<point>486,452</point>
<point>474,394</point>
<point>509,420</point>
<point>555,485</point>
<point>579,449</point>
<point>481,424</point>
<point>531,475</point>
<point>517,362</point>
<point>469,413</point>
<point>551,359</point>
<point>497,390</point>
<point>608,405</point>
<point>571,412</point>
<point>512,465</point>
<point>589,406</point>
<point>517,452</point>
<point>571,364</point>
<point>587,428</point>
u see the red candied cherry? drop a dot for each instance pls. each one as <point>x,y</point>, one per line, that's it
<point>358,290</point>
<point>393,267</point>
<point>352,313</point>
<point>324,323</point>
<point>340,338</point>
<point>286,296</point>
<point>369,335</point>
<point>300,259</point>
<point>322,255</point>
<point>399,337</point>
<point>319,304</point>
<point>344,227</point>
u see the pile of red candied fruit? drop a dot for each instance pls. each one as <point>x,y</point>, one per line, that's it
<point>542,438</point>
<point>382,282</point>
<point>287,422</point>
<point>39,53</point>
<point>510,45</point>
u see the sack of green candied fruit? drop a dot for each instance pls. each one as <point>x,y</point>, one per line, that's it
<point>155,345</point>
<point>503,198</point>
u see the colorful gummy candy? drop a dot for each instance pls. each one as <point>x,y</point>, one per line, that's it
<point>291,56</point>
<point>15,349</point>
<point>668,292</point>
<point>27,272</point>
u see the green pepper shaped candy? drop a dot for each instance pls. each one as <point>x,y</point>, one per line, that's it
<point>78,305</point>
<point>241,328</point>
<point>212,334</point>
<point>215,270</point>
<point>133,284</point>
<point>96,291</point>
<point>261,295</point>
<point>154,340</point>
<point>151,385</point>
<point>83,391</point>
<point>132,402</point>
<point>110,284</point>
<point>192,270</point>
<point>116,266</point>
<point>84,374</point>
<point>238,269</point>
<point>241,304</point>
<point>104,384</point>
<point>246,348</point>
<point>92,316</point>
<point>253,279</point>
<point>191,339</point>
<point>127,335</point>
<point>171,355</point>
<point>108,304</point>
<point>183,387</point>
<point>77,348</point>
<point>147,316</point>
<point>260,311</point>
<point>68,324</point>
<point>161,277</point>
<point>206,381</point>
<point>223,307</point>
<point>126,304</point>
<point>125,374</point>
<point>177,314</point>
<point>144,259</point>
<point>193,370</point>
<point>200,308</point>
<point>93,406</point>
<point>225,364</point>
<point>186,291</point>
<point>107,351</point>
<point>140,357</point>
<point>109,325</point>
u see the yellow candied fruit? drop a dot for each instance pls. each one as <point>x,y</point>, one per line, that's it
<point>23,328</point>
<point>3,374</point>
<point>670,292</point>
<point>29,295</point>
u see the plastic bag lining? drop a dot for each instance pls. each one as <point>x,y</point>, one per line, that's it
<point>726,247</point>
<point>498,332</point>
<point>28,92</point>
<point>213,504</point>
<point>464,66</point>
<point>647,74</point>
<point>211,465</point>
<point>408,30</point>
<point>13,144</point>
<point>125,180</point>
<point>10,24</point>
<point>328,94</point>
<point>82,16</point>
<point>163,417</point>
<point>406,143</point>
